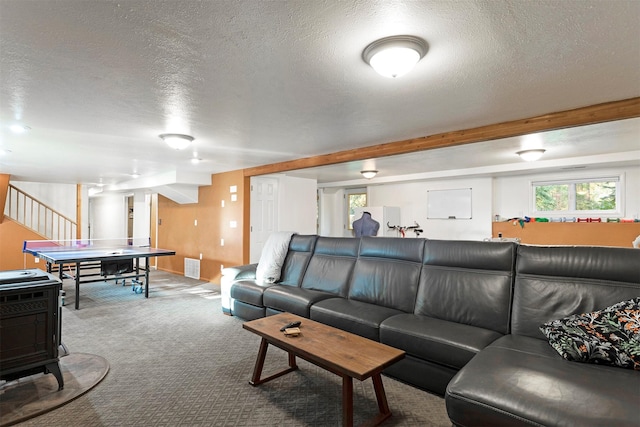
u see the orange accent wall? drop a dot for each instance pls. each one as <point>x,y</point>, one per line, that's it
<point>570,233</point>
<point>4,190</point>
<point>177,230</point>
<point>12,237</point>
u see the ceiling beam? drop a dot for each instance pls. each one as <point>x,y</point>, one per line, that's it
<point>606,112</point>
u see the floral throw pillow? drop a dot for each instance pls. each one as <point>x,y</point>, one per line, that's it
<point>607,337</point>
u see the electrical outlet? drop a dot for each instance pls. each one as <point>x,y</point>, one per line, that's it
<point>221,242</point>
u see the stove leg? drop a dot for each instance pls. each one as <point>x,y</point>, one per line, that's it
<point>54,368</point>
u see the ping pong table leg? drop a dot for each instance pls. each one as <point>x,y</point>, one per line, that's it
<point>77,285</point>
<point>146,277</point>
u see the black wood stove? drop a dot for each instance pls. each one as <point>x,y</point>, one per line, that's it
<point>30,324</point>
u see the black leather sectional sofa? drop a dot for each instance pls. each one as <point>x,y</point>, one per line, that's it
<point>468,315</point>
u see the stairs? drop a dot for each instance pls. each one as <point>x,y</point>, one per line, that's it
<point>37,216</point>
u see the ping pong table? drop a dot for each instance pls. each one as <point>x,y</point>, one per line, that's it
<point>114,257</point>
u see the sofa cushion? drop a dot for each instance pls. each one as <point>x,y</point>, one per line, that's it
<point>331,265</point>
<point>609,337</point>
<point>387,272</point>
<point>249,291</point>
<point>553,282</point>
<point>292,299</point>
<point>476,278</point>
<point>353,316</point>
<point>447,343</point>
<point>295,264</point>
<point>522,381</point>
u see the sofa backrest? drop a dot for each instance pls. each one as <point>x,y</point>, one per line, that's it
<point>297,259</point>
<point>387,272</point>
<point>468,282</point>
<point>331,265</point>
<point>553,282</point>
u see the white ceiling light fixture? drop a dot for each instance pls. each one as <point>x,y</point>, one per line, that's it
<point>396,55</point>
<point>177,141</point>
<point>19,128</point>
<point>369,174</point>
<point>531,155</point>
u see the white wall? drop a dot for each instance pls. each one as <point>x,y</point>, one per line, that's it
<point>513,194</point>
<point>411,197</point>
<point>333,217</point>
<point>507,196</point>
<point>141,215</point>
<point>107,215</point>
<point>297,205</point>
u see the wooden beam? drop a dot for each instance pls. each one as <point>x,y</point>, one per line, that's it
<point>609,111</point>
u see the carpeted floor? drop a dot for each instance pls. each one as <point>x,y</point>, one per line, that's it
<point>176,360</point>
<point>34,395</point>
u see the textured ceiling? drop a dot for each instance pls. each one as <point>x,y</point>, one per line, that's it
<point>259,82</point>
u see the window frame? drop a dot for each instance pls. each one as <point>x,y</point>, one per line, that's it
<point>347,194</point>
<point>572,211</point>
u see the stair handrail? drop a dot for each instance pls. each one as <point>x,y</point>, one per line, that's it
<point>66,227</point>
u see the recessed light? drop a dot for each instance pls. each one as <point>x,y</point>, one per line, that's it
<point>196,160</point>
<point>135,175</point>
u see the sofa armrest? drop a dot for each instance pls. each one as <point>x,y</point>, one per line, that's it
<point>240,272</point>
<point>231,275</point>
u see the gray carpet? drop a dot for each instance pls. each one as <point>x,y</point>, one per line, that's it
<point>30,396</point>
<point>176,360</point>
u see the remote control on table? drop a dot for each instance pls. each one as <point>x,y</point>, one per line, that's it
<point>290,325</point>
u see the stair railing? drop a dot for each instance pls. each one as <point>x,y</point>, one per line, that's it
<point>37,216</point>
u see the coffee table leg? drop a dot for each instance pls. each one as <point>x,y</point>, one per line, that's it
<point>347,401</point>
<point>257,370</point>
<point>383,406</point>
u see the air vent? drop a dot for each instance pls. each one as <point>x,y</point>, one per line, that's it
<point>192,268</point>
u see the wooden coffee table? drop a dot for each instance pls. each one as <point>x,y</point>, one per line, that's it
<point>347,355</point>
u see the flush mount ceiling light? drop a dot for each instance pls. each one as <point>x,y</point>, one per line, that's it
<point>369,174</point>
<point>19,128</point>
<point>177,141</point>
<point>396,55</point>
<point>531,155</point>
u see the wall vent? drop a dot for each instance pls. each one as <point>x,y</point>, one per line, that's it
<point>192,268</point>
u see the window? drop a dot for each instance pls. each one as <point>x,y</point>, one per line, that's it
<point>356,198</point>
<point>580,196</point>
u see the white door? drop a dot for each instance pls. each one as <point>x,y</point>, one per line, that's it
<point>264,213</point>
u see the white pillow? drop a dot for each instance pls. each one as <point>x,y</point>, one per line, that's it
<point>273,255</point>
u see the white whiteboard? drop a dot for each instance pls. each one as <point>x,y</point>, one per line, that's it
<point>449,204</point>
